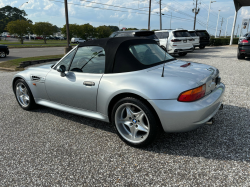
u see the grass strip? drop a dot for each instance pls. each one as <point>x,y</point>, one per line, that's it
<point>13,64</point>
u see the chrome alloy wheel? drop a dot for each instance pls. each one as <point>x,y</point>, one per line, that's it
<point>22,94</point>
<point>132,123</point>
<point>2,54</point>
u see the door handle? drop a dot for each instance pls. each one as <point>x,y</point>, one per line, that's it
<point>88,83</point>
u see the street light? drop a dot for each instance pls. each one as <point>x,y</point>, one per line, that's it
<point>20,7</point>
<point>209,12</point>
<point>120,21</point>
<point>217,23</point>
<point>226,27</point>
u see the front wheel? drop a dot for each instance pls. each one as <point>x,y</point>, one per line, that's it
<point>134,122</point>
<point>23,95</point>
<point>182,54</point>
<point>2,54</point>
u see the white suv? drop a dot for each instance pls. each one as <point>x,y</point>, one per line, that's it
<point>77,40</point>
<point>175,41</point>
<point>196,38</point>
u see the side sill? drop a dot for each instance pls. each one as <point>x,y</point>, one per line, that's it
<point>77,111</point>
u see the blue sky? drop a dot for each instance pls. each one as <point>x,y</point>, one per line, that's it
<point>80,12</point>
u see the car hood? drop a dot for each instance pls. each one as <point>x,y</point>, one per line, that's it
<point>196,72</point>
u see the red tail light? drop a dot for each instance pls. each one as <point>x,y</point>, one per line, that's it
<point>193,95</point>
<point>175,40</point>
<point>244,41</point>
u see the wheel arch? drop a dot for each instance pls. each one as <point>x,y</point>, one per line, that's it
<point>116,98</point>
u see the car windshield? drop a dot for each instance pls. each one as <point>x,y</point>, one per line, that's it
<point>181,34</point>
<point>162,35</point>
<point>113,35</point>
<point>192,33</point>
<point>202,33</point>
<point>149,54</point>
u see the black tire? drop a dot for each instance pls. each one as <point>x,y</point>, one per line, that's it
<point>239,56</point>
<point>154,124</point>
<point>31,105</point>
<point>182,54</point>
<point>202,47</point>
<point>2,54</point>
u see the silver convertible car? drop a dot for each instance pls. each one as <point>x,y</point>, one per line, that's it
<point>130,82</point>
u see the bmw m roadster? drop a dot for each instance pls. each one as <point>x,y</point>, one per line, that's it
<point>130,82</point>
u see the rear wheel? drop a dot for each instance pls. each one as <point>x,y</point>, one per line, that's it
<point>23,94</point>
<point>202,47</point>
<point>134,122</point>
<point>2,54</point>
<point>240,56</point>
<point>182,54</point>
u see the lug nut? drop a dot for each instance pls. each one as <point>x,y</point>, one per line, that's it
<point>136,126</point>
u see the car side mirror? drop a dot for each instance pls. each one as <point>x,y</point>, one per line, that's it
<point>61,69</point>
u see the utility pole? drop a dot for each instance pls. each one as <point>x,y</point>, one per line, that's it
<point>149,12</point>
<point>68,47</point>
<point>170,20</point>
<point>160,17</point>
<point>237,30</point>
<point>196,11</point>
<point>221,27</point>
<point>217,24</point>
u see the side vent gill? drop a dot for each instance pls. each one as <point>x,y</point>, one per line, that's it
<point>35,78</point>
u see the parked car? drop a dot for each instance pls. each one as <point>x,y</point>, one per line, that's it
<point>204,38</point>
<point>243,37</point>
<point>244,47</point>
<point>131,82</point>
<point>4,51</point>
<point>136,33</point>
<point>196,38</point>
<point>38,38</point>
<point>77,40</point>
<point>175,41</point>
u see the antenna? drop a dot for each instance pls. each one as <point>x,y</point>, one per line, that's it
<point>162,75</point>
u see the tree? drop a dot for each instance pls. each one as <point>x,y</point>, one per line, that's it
<point>43,29</point>
<point>8,14</point>
<point>19,27</point>
<point>113,28</point>
<point>74,30</point>
<point>103,31</point>
<point>87,31</point>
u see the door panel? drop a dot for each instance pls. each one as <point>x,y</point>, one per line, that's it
<point>71,90</point>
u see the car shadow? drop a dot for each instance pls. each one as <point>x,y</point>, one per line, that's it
<point>227,139</point>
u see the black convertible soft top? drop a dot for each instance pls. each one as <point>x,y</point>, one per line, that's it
<point>118,57</point>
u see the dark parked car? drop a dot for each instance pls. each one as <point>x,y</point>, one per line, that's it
<point>204,38</point>
<point>244,47</point>
<point>4,51</point>
<point>136,33</point>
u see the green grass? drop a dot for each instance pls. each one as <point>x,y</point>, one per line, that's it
<point>42,45</point>
<point>34,42</point>
<point>13,64</point>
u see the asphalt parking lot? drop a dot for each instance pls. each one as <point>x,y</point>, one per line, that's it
<point>47,147</point>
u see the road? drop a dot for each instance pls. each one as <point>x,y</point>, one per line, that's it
<point>47,147</point>
<point>32,52</point>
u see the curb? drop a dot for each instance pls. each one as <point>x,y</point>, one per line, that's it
<point>7,69</point>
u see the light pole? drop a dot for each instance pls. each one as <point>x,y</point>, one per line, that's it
<point>20,7</point>
<point>120,22</point>
<point>217,24</point>
<point>209,12</point>
<point>226,27</point>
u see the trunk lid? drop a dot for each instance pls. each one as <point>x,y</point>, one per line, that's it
<point>199,73</point>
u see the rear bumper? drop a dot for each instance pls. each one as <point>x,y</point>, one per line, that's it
<point>244,50</point>
<point>204,43</point>
<point>178,116</point>
<point>186,50</point>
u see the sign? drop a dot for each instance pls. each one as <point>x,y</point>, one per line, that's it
<point>245,24</point>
